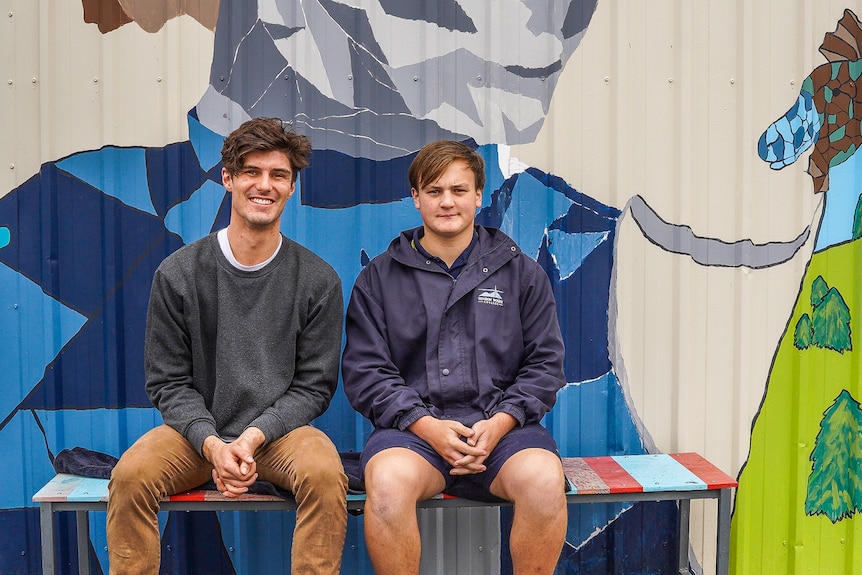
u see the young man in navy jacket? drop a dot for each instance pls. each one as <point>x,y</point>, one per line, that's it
<point>455,354</point>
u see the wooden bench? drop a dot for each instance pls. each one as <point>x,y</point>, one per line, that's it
<point>678,477</point>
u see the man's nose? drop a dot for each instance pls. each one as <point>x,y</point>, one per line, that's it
<point>264,182</point>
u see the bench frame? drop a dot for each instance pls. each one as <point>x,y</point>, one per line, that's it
<point>720,487</point>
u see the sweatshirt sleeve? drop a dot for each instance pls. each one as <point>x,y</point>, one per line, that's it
<point>318,348</point>
<point>372,382</point>
<point>540,374</point>
<point>168,364</point>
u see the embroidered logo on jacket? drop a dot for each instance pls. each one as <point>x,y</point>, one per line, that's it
<point>490,296</point>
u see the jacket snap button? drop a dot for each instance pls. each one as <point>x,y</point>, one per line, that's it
<point>485,270</point>
<point>514,248</point>
<point>445,371</point>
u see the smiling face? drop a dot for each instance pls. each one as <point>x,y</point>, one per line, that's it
<point>448,206</point>
<point>259,190</point>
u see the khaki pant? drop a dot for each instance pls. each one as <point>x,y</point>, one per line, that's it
<point>163,463</point>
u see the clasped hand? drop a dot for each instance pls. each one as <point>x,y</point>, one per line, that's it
<point>464,448</point>
<point>234,467</point>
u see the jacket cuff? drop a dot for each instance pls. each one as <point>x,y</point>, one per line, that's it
<point>513,410</point>
<point>411,417</point>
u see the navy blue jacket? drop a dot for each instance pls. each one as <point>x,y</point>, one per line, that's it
<point>422,343</point>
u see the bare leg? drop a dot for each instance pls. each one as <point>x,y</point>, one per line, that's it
<point>533,480</point>
<point>395,480</point>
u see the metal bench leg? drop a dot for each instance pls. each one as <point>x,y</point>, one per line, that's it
<point>82,522</point>
<point>684,524</point>
<point>722,547</point>
<point>46,526</point>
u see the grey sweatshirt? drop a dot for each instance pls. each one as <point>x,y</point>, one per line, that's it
<point>228,349</point>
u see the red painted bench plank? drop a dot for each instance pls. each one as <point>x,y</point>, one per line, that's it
<point>714,477</point>
<point>614,476</point>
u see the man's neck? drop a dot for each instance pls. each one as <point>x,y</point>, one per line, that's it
<point>447,249</point>
<point>250,246</point>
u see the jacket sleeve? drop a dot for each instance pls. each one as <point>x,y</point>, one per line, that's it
<point>540,374</point>
<point>372,382</point>
<point>168,365</point>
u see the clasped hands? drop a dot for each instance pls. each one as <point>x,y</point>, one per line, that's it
<point>464,448</point>
<point>234,467</point>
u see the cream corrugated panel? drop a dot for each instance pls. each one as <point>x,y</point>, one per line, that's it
<point>666,100</point>
<point>70,88</point>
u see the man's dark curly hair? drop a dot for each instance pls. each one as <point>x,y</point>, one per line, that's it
<point>265,135</point>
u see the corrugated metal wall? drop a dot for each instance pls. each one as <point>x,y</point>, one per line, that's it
<point>705,266</point>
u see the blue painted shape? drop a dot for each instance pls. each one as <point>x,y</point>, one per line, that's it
<point>89,489</point>
<point>68,428</point>
<point>583,312</point>
<point>27,467</point>
<point>582,430</point>
<point>35,328</point>
<point>173,173</point>
<point>193,218</point>
<point>534,206</point>
<point>5,237</point>
<point>77,243</point>
<point>845,184</point>
<point>569,250</point>
<point>493,174</point>
<point>786,139</point>
<point>660,473</point>
<point>336,180</point>
<point>206,143</point>
<point>369,227</point>
<point>591,418</point>
<point>117,172</point>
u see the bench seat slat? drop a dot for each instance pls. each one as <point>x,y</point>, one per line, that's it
<point>660,472</point>
<point>582,477</point>
<point>680,477</point>
<point>59,488</point>
<point>90,489</point>
<point>613,475</point>
<point>714,477</point>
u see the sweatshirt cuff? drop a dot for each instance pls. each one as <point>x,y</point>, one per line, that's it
<point>197,432</point>
<point>271,426</point>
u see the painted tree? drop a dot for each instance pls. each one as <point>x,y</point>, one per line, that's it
<point>857,220</point>
<point>831,323</point>
<point>835,482</point>
<point>819,287</point>
<point>804,332</point>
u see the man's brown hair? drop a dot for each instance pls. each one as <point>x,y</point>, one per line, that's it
<point>434,158</point>
<point>265,135</point>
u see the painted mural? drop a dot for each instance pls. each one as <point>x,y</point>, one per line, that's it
<point>805,443</point>
<point>82,238</point>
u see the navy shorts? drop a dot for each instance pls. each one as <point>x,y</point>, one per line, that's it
<point>476,486</point>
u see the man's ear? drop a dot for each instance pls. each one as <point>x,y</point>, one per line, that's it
<point>226,180</point>
<point>415,195</point>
